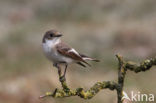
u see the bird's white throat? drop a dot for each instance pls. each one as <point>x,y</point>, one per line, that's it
<point>48,48</point>
<point>52,43</point>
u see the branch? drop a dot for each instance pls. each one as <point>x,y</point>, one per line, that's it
<point>143,66</point>
<point>88,94</point>
<point>121,76</point>
<point>122,69</point>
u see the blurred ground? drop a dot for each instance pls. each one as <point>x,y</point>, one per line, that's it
<point>103,27</point>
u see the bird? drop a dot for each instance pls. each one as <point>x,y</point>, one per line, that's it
<point>59,52</point>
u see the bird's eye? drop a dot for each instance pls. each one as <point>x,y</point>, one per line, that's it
<point>51,35</point>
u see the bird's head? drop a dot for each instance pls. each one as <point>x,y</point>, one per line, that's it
<point>52,35</point>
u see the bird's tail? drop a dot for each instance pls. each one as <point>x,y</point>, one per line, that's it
<point>84,61</point>
<point>88,58</point>
<point>84,57</point>
<point>91,59</point>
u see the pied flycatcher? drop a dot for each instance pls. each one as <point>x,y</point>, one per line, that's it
<point>60,53</point>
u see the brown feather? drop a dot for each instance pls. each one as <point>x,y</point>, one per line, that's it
<point>81,64</point>
<point>64,50</point>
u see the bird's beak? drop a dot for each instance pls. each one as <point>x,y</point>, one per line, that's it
<point>59,35</point>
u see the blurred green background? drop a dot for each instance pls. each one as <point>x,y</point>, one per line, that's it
<point>99,28</point>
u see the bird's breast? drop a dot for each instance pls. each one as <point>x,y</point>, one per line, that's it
<point>53,55</point>
<point>50,52</point>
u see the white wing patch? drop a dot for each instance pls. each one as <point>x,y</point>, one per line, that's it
<point>74,51</point>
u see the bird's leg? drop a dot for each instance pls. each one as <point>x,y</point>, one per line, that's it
<point>58,67</point>
<point>63,78</point>
<point>66,65</point>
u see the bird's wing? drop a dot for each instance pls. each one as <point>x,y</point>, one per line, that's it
<point>65,50</point>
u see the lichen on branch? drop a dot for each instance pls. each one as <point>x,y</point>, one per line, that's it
<point>88,94</point>
<point>111,85</point>
<point>143,66</point>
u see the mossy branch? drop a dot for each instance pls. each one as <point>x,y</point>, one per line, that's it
<point>143,66</point>
<point>88,94</point>
<point>66,92</point>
